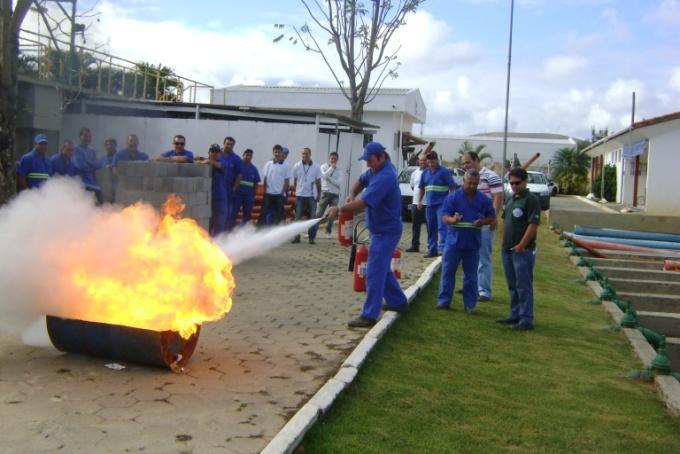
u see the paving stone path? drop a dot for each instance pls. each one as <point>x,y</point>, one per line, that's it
<point>285,335</point>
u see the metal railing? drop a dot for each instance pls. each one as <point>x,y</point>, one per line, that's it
<point>96,72</point>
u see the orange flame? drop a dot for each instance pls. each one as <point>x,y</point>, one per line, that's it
<point>169,275</point>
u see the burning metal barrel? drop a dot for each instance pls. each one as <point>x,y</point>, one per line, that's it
<point>154,348</point>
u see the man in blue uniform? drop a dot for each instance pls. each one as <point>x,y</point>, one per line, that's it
<point>465,212</point>
<point>179,153</point>
<point>233,169</point>
<point>435,184</point>
<point>110,147</point>
<point>219,213</point>
<point>34,167</point>
<point>62,162</point>
<point>130,152</point>
<point>85,160</point>
<point>382,200</point>
<point>244,196</point>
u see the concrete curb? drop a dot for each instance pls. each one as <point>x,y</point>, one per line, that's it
<point>290,436</point>
<point>599,205</point>
<point>667,386</point>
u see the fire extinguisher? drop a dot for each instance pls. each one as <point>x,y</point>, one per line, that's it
<point>345,221</point>
<point>360,261</point>
<point>395,264</point>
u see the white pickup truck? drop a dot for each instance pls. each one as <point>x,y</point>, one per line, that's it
<point>407,191</point>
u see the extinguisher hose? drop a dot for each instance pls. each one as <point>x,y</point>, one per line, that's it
<point>355,242</point>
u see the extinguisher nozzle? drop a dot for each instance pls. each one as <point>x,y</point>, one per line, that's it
<point>352,256</point>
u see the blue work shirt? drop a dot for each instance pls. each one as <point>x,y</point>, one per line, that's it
<point>463,235</point>
<point>232,165</point>
<point>126,155</point>
<point>107,160</point>
<point>383,200</point>
<point>436,185</point>
<point>61,165</point>
<point>250,177</point>
<point>35,168</point>
<point>219,183</point>
<point>171,153</point>
<point>85,160</point>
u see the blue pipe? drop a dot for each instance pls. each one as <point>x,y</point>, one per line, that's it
<point>628,234</point>
<point>631,242</point>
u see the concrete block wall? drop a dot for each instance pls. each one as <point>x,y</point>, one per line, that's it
<point>152,182</point>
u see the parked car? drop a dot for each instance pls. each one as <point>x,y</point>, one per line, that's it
<point>407,192</point>
<point>538,185</point>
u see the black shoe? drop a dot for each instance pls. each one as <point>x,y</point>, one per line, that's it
<point>429,256</point>
<point>522,327</point>
<point>413,249</point>
<point>311,241</point>
<point>296,240</point>
<point>404,308</point>
<point>443,307</point>
<point>459,291</point>
<point>483,298</point>
<point>361,322</point>
<point>507,321</point>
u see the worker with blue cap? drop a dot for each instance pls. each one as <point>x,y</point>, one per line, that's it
<point>381,199</point>
<point>435,183</point>
<point>34,167</point>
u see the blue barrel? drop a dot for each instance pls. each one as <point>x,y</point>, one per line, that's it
<point>117,342</point>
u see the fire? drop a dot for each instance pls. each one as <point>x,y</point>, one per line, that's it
<point>153,273</point>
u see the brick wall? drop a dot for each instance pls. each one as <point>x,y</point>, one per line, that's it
<point>152,182</point>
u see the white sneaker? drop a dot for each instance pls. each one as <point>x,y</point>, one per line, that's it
<point>329,236</point>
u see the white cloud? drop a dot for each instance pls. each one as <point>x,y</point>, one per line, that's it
<point>674,81</point>
<point>667,13</point>
<point>562,66</point>
<point>619,94</point>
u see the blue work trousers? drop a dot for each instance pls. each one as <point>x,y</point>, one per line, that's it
<point>451,258</point>
<point>218,217</point>
<point>380,281</point>
<point>436,229</point>
<point>245,201</point>
<point>484,273</point>
<point>519,272</point>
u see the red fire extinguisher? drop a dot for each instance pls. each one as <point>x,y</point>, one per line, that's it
<point>360,260</point>
<point>345,220</point>
<point>395,265</point>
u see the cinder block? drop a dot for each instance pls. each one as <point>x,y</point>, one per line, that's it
<point>204,222</point>
<point>131,168</point>
<point>131,183</point>
<point>203,184</point>
<point>149,184</point>
<point>201,198</point>
<point>194,170</point>
<point>200,211</point>
<point>128,197</point>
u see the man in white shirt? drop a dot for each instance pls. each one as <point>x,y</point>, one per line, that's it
<point>307,184</point>
<point>417,216</point>
<point>276,179</point>
<point>331,182</point>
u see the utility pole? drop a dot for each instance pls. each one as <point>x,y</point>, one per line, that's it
<point>507,92</point>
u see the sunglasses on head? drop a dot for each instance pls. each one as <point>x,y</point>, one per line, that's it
<point>515,183</point>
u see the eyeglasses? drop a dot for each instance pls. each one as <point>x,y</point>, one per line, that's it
<point>515,183</point>
<point>180,143</point>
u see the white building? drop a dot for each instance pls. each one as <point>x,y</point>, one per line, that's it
<point>393,109</point>
<point>525,145</point>
<point>647,164</point>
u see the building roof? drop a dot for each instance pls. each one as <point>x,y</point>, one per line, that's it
<point>303,89</point>
<point>635,127</point>
<point>524,135</point>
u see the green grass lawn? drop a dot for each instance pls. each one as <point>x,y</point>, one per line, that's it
<point>450,382</point>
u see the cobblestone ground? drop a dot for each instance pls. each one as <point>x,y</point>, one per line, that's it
<point>285,335</point>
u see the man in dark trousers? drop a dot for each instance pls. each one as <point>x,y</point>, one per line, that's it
<point>417,216</point>
<point>382,200</point>
<point>522,215</point>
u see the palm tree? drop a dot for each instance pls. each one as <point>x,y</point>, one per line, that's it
<point>466,147</point>
<point>570,170</point>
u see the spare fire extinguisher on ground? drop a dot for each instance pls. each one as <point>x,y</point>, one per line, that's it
<point>395,265</point>
<point>360,262</point>
<point>359,259</point>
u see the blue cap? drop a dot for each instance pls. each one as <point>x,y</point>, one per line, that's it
<point>40,138</point>
<point>370,149</point>
<point>285,150</point>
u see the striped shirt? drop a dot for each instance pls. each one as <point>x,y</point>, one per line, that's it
<point>489,182</point>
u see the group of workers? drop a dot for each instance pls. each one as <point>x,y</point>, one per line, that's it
<point>461,226</point>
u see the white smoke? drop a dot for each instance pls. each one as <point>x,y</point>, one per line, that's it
<point>247,242</point>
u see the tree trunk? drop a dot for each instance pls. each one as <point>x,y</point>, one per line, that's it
<point>357,109</point>
<point>10,21</point>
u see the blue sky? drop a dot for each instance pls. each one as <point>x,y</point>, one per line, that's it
<point>575,62</point>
